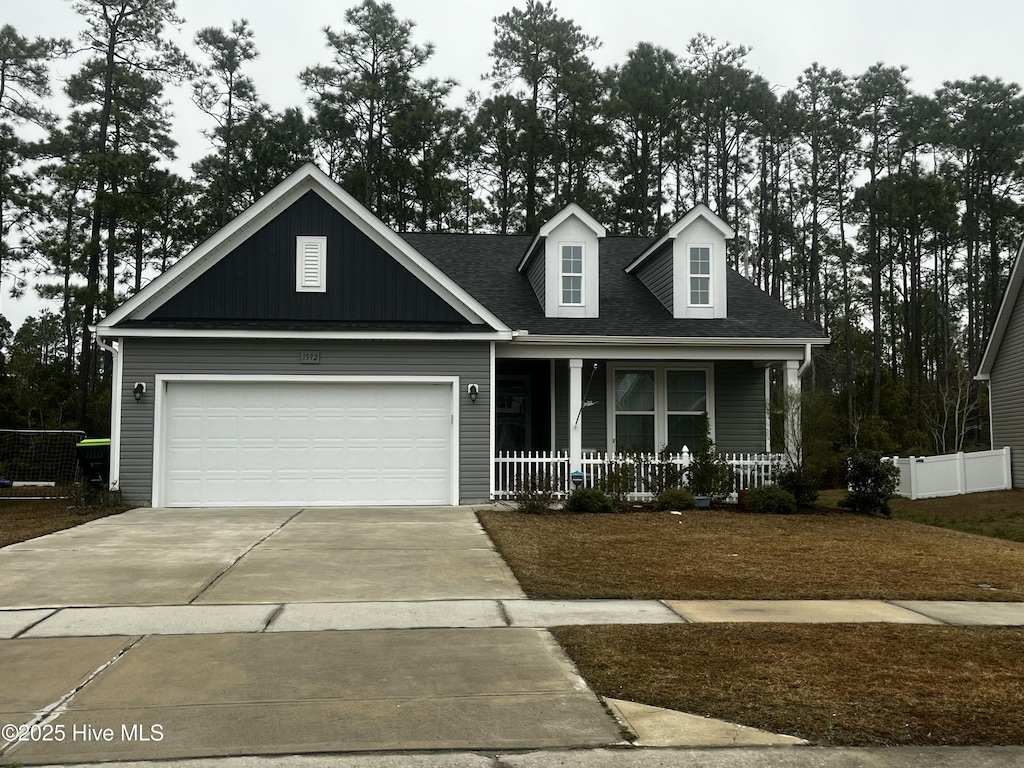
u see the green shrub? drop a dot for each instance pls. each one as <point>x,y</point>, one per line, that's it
<point>619,479</point>
<point>872,481</point>
<point>664,473</point>
<point>675,498</point>
<point>800,483</point>
<point>588,501</point>
<point>535,495</point>
<point>771,500</point>
<point>709,474</point>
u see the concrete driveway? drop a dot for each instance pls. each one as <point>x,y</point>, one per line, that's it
<point>188,633</point>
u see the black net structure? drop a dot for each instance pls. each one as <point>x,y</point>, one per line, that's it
<point>40,456</point>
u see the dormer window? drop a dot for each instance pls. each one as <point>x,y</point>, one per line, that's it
<point>572,274</point>
<point>563,264</point>
<point>700,275</point>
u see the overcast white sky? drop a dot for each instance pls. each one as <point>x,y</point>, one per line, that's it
<point>937,40</point>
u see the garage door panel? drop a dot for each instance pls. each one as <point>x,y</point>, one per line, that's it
<point>306,443</point>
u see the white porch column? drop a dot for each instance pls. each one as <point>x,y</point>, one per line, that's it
<point>575,415</point>
<point>791,412</point>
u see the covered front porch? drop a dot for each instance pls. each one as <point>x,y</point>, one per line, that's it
<point>585,407</point>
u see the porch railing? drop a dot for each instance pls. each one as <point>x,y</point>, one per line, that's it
<point>514,470</point>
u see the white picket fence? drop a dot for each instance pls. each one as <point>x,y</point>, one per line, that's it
<point>516,469</point>
<point>926,477</point>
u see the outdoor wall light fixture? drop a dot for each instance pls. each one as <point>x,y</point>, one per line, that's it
<point>139,390</point>
<point>474,392</point>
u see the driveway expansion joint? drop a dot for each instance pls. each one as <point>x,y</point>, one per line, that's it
<point>210,584</point>
<point>55,709</point>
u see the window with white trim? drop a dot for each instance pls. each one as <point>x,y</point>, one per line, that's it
<point>658,407</point>
<point>700,275</point>
<point>311,264</point>
<point>572,273</point>
<point>686,401</point>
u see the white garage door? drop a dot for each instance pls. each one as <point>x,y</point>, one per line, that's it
<point>244,443</point>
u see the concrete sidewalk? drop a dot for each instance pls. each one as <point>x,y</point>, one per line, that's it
<point>740,757</point>
<point>481,613</point>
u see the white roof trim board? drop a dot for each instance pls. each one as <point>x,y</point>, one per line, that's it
<point>572,209</point>
<point>306,178</point>
<point>699,211</point>
<point>995,339</point>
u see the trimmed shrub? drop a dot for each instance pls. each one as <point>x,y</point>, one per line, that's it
<point>664,473</point>
<point>709,474</point>
<point>872,482</point>
<point>675,498</point>
<point>771,500</point>
<point>588,501</point>
<point>800,483</point>
<point>619,480</point>
<point>535,495</point>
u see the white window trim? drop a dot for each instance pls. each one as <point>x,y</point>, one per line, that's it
<point>660,397</point>
<point>301,244</point>
<point>709,275</point>
<point>562,274</point>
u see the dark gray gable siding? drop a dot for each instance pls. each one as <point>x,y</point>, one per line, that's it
<point>1007,393</point>
<point>256,281</point>
<point>656,274</point>
<point>144,358</point>
<point>536,273</point>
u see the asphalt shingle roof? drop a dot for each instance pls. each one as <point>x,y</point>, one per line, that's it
<point>485,266</point>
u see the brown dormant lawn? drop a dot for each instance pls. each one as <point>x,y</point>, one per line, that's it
<point>721,554</point>
<point>23,519</point>
<point>833,684</point>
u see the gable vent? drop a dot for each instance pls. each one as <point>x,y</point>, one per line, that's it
<point>311,264</point>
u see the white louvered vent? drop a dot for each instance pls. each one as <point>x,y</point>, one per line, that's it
<point>311,264</point>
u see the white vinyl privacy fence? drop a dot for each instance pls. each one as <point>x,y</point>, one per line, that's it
<point>925,477</point>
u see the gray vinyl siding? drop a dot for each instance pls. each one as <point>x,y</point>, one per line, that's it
<point>143,359</point>
<point>739,408</point>
<point>656,274</point>
<point>537,277</point>
<point>594,418</point>
<point>1007,393</point>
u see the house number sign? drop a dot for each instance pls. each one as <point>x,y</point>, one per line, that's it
<point>309,358</point>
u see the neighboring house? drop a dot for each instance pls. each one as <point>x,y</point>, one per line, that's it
<point>1003,367</point>
<point>306,354</point>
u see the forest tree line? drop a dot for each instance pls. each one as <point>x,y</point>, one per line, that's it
<point>887,217</point>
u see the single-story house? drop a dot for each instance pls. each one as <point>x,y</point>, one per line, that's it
<point>307,354</point>
<point>1002,366</point>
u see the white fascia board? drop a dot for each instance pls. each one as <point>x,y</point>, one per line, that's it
<point>643,256</point>
<point>307,178</point>
<point>526,256</point>
<point>698,211</point>
<point>678,341</point>
<point>995,339</point>
<point>204,333</point>
<point>701,211</point>
<point>660,349</point>
<point>572,209</point>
